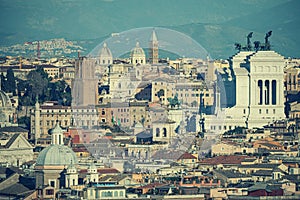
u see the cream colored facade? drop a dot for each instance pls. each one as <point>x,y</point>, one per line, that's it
<point>251,136</point>
<point>164,131</point>
<point>189,93</point>
<point>47,114</point>
<point>223,193</point>
<point>98,192</point>
<point>7,110</point>
<point>292,79</point>
<point>166,86</point>
<point>295,110</point>
<point>52,71</point>
<point>16,151</point>
<point>223,148</point>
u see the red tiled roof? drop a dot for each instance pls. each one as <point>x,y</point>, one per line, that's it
<point>231,159</point>
<point>79,149</point>
<point>151,185</point>
<point>108,171</point>
<point>186,156</point>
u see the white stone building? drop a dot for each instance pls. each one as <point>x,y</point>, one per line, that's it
<point>16,150</point>
<point>258,89</point>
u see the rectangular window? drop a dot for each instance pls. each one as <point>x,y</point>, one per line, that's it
<point>52,183</point>
<point>50,192</point>
<point>274,92</point>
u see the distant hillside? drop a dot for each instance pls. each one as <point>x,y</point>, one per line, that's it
<point>219,39</point>
<point>216,25</point>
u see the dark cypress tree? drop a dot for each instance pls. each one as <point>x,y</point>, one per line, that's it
<point>10,83</point>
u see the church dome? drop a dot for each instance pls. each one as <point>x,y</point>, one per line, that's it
<point>56,155</point>
<point>4,100</point>
<point>137,51</point>
<point>105,51</point>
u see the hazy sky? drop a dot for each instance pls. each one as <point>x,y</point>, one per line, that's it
<point>216,24</point>
<point>95,18</point>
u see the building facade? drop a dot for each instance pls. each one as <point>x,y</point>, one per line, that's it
<point>258,90</point>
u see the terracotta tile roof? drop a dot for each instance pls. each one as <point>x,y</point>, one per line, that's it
<point>79,149</point>
<point>231,159</point>
<point>186,156</point>
<point>108,171</point>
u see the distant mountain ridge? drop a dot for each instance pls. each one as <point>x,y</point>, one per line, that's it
<point>216,25</point>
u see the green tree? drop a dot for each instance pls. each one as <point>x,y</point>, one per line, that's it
<point>2,77</point>
<point>60,91</point>
<point>39,84</point>
<point>24,120</point>
<point>35,85</point>
<point>10,81</point>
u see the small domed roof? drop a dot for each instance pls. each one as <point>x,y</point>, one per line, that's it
<point>144,134</point>
<point>105,51</point>
<point>137,51</point>
<point>56,155</point>
<point>138,125</point>
<point>4,100</point>
<point>56,130</point>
